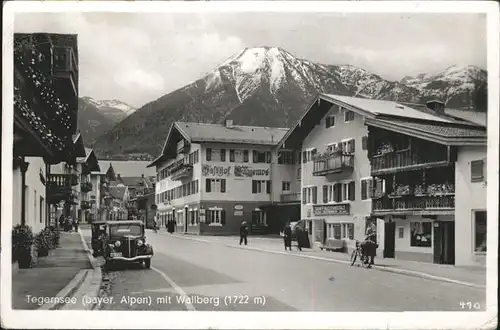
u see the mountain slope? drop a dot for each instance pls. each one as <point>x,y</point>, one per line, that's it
<point>91,122</point>
<point>258,86</point>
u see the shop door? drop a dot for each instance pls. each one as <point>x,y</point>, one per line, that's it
<point>186,219</point>
<point>444,242</point>
<point>389,239</point>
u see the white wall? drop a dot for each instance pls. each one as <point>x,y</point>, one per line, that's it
<point>319,138</point>
<point>35,191</point>
<point>469,197</point>
<point>16,196</point>
<point>284,172</point>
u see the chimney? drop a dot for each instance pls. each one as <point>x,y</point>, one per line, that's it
<point>436,106</point>
<point>228,123</point>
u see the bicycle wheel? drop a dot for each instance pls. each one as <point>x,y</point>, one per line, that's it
<point>354,256</point>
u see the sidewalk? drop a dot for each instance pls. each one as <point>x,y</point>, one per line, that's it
<point>471,276</point>
<point>50,274</point>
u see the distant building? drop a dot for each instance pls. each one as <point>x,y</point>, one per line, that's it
<point>212,177</point>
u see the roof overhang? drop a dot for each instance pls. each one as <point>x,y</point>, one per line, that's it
<point>92,163</point>
<point>173,128</point>
<point>79,146</point>
<point>425,135</point>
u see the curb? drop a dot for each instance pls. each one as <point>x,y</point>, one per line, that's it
<point>379,268</point>
<point>67,291</point>
<point>92,284</point>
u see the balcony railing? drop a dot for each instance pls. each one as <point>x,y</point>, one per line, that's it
<point>330,163</point>
<point>415,205</point>
<point>65,180</point>
<point>405,159</point>
<point>181,171</point>
<point>290,197</point>
<point>59,187</point>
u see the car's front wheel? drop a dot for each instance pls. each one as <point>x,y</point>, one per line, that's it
<point>147,263</point>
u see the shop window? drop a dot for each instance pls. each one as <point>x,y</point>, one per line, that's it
<point>259,218</point>
<point>347,230</point>
<point>337,231</point>
<point>480,231</point>
<point>477,170</point>
<point>421,234</point>
<point>285,185</point>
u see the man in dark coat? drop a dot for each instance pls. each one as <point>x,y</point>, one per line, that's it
<point>287,232</point>
<point>299,233</point>
<point>243,233</point>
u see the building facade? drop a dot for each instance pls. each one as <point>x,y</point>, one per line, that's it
<point>211,178</point>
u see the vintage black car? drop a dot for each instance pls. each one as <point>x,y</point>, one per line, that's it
<point>126,242</point>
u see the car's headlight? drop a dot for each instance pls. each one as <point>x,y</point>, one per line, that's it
<point>140,242</point>
<point>117,243</point>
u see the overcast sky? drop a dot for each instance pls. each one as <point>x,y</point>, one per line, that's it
<point>137,58</point>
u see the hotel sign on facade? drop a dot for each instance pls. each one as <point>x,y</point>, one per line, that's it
<point>333,209</point>
<point>238,171</point>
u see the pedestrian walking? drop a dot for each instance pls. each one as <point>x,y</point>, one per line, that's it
<point>287,233</point>
<point>155,226</point>
<point>299,233</point>
<point>243,233</point>
<point>61,221</point>
<point>75,224</point>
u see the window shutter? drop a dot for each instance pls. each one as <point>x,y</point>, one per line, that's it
<point>304,157</point>
<point>370,188</point>
<point>352,193</point>
<point>254,153</point>
<point>363,189</point>
<point>268,157</point>
<point>327,121</point>
<point>353,143</point>
<point>268,186</point>
<point>231,155</point>
<point>315,195</point>
<point>364,142</point>
<point>254,187</point>
<point>209,154</point>
<point>325,194</point>
<point>304,197</point>
<point>339,192</point>
<point>223,185</point>
<point>223,217</point>
<point>207,185</point>
<point>223,155</point>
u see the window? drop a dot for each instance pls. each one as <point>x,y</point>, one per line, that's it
<point>285,185</point>
<point>347,231</point>
<point>215,217</point>
<point>223,155</point>
<point>348,116</point>
<point>366,188</point>
<point>421,234</point>
<point>348,146</point>
<point>310,195</point>
<point>329,121</point>
<point>480,231</point>
<point>331,147</point>
<point>215,185</point>
<point>231,155</point>
<point>261,186</point>
<point>286,157</point>
<point>348,193</point>
<point>41,209</point>
<point>364,143</point>
<point>401,232</point>
<point>337,231</point>
<point>259,218</point>
<point>34,204</point>
<point>245,156</point>
<point>308,155</point>
<point>477,170</point>
<point>299,171</point>
<point>209,154</point>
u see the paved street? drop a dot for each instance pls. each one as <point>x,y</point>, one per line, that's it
<point>225,278</point>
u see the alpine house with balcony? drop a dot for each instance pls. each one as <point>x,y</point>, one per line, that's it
<point>45,120</point>
<point>212,177</point>
<point>428,185</point>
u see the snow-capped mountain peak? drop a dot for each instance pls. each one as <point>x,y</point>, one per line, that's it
<point>116,104</point>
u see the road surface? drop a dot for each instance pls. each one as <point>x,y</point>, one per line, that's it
<point>193,275</point>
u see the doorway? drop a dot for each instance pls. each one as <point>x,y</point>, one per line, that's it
<point>389,239</point>
<point>186,219</point>
<point>444,242</point>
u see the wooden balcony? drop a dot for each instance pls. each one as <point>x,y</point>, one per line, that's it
<point>59,187</point>
<point>332,163</point>
<point>405,160</point>
<point>86,187</point>
<point>66,67</point>
<point>290,197</point>
<point>443,204</point>
<point>181,171</point>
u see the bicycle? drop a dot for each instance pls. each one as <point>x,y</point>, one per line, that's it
<point>357,254</point>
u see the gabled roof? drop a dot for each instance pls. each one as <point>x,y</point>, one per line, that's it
<point>478,118</point>
<point>202,132</point>
<point>130,168</point>
<point>79,145</point>
<point>90,160</point>
<point>136,181</point>
<point>386,113</point>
